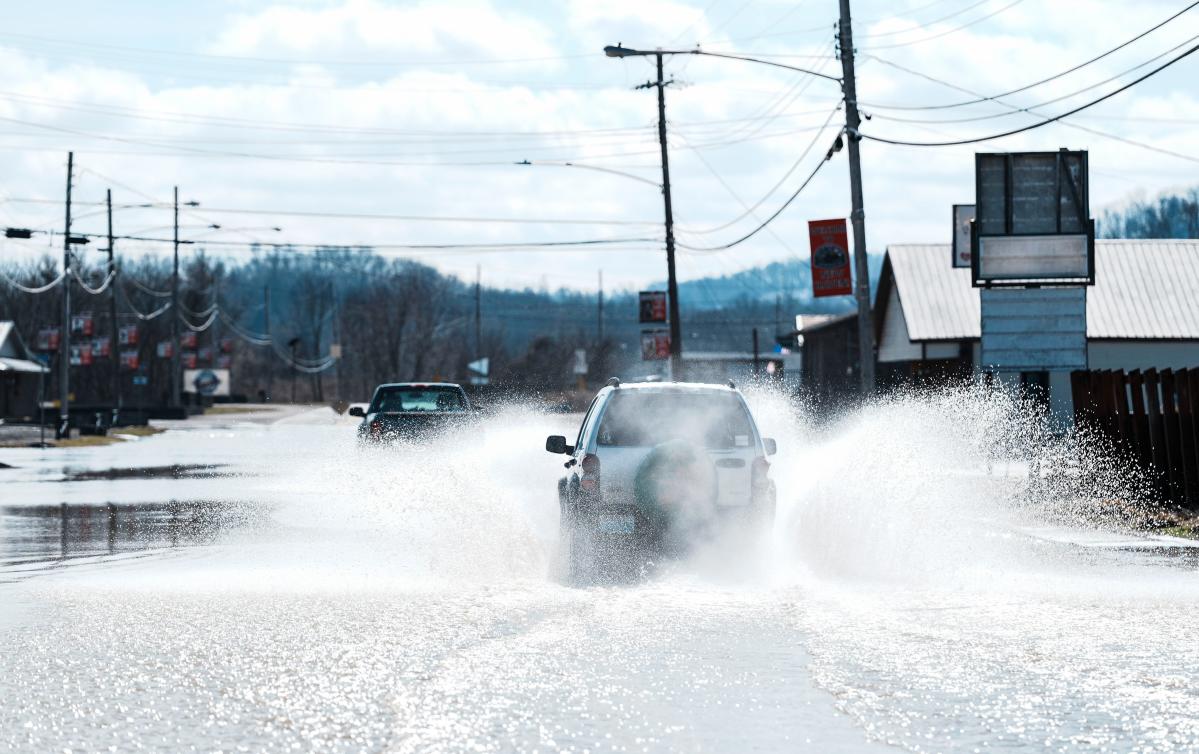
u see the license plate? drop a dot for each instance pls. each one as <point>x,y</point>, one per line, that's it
<point>617,524</point>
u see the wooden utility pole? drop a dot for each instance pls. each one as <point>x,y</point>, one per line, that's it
<point>176,360</point>
<point>858,215</point>
<point>599,322</point>
<point>64,341</point>
<point>672,286</point>
<point>113,344</point>
<point>266,323</point>
<point>478,312</point>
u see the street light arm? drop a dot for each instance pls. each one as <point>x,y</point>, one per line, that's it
<point>618,51</point>
<point>597,168</point>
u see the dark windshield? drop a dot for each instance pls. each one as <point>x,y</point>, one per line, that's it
<point>714,420</point>
<point>428,398</point>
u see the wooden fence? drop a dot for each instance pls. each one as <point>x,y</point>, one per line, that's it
<point>1153,416</point>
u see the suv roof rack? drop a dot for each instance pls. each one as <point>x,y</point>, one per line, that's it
<point>613,382</point>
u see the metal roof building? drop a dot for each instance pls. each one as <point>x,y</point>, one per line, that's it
<point>1144,290</point>
<point>1142,312</point>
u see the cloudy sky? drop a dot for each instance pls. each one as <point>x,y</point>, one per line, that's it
<point>374,122</point>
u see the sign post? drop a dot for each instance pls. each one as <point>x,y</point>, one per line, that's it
<point>831,274</point>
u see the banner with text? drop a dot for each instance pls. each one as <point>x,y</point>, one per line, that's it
<point>830,258</point>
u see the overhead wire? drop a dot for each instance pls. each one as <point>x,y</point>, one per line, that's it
<point>1014,109</point>
<point>794,166</point>
<point>954,30</point>
<point>1046,80</point>
<point>832,150</point>
<point>1047,121</point>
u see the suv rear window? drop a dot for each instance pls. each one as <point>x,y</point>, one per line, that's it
<point>418,399</point>
<point>714,420</point>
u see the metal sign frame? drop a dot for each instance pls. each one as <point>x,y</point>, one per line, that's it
<point>1067,191</point>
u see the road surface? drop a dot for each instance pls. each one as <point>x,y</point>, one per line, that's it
<point>260,584</point>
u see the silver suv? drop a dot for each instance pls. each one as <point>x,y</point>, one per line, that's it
<point>655,466</point>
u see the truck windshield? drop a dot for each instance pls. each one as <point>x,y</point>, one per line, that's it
<point>713,420</point>
<point>412,399</point>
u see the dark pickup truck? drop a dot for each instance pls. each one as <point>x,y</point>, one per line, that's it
<point>409,410</point>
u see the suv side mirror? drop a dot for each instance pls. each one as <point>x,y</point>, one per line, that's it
<point>557,444</point>
<point>357,411</point>
<point>770,446</point>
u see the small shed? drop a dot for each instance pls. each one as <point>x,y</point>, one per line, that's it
<point>20,376</point>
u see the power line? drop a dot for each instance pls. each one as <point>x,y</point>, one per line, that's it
<point>1032,111</point>
<point>832,150</point>
<point>291,61</point>
<point>1047,121</point>
<point>1014,109</point>
<point>954,30</point>
<point>923,25</point>
<point>1026,87</point>
<point>364,215</point>
<point>749,210</point>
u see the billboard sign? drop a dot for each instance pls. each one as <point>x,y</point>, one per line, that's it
<point>81,324</point>
<point>1032,224</point>
<point>1034,329</point>
<point>130,360</point>
<point>830,258</point>
<point>166,349</point>
<point>206,381</point>
<point>652,306</point>
<point>963,215</point>
<point>655,345</point>
<point>127,335</point>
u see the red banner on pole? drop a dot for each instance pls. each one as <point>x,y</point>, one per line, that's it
<point>830,258</point>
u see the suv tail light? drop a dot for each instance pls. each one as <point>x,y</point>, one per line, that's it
<point>760,470</point>
<point>591,472</point>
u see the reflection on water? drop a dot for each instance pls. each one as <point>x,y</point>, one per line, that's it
<point>41,538</point>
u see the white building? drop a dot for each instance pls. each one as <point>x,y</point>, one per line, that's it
<point>1142,312</point>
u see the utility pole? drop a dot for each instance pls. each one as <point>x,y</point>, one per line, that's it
<point>858,215</point>
<point>478,311</point>
<point>113,345</point>
<point>600,314</point>
<point>176,361</point>
<point>266,320</point>
<point>64,341</point>
<point>757,368</point>
<point>672,286</point>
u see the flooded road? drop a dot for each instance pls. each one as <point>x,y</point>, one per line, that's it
<point>263,585</point>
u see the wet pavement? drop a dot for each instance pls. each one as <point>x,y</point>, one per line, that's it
<point>258,583</point>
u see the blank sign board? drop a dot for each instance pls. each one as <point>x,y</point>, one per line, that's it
<point>1034,329</point>
<point>1035,257</point>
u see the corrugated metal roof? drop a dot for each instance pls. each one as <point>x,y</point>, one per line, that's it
<point>1144,289</point>
<point>938,301</point>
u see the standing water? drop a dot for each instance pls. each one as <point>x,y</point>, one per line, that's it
<point>918,592</point>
